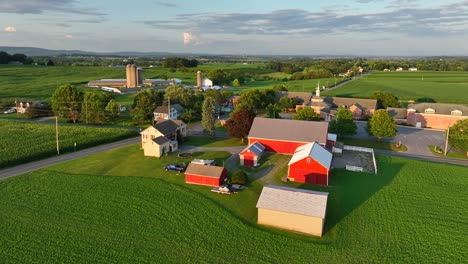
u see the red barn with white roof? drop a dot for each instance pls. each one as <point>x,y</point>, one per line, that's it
<point>311,163</point>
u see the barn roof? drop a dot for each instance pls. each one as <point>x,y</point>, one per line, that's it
<point>314,151</point>
<point>293,200</point>
<point>289,130</point>
<point>256,148</point>
<point>204,170</point>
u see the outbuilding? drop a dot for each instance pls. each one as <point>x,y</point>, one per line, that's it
<point>205,175</point>
<point>285,136</point>
<point>310,163</point>
<point>293,209</point>
<point>251,154</point>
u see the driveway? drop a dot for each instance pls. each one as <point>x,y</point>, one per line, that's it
<point>416,139</point>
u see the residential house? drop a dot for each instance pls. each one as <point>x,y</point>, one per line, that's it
<point>161,138</point>
<point>164,113</point>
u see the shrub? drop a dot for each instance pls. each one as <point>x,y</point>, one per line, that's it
<point>239,177</point>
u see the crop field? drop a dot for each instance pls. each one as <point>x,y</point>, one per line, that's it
<point>446,87</point>
<point>23,141</point>
<point>119,206</point>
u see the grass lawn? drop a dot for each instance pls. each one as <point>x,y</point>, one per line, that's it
<point>119,206</point>
<point>22,142</point>
<point>369,143</point>
<point>450,153</point>
<point>447,87</point>
<point>208,142</point>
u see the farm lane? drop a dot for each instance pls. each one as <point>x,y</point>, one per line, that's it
<point>452,161</point>
<point>20,169</point>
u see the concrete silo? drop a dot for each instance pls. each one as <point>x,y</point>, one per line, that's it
<point>199,79</point>
<point>129,74</point>
<point>131,80</point>
<point>139,75</point>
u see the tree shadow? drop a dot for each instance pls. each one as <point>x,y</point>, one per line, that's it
<point>425,100</point>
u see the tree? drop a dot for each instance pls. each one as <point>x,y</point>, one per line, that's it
<point>308,114</point>
<point>236,83</point>
<point>188,115</point>
<point>50,63</point>
<point>66,102</point>
<point>209,116</point>
<point>344,124</point>
<point>280,87</point>
<point>239,177</point>
<point>458,135</point>
<point>385,100</point>
<point>381,125</point>
<point>218,76</point>
<point>93,108</point>
<point>112,109</point>
<point>272,111</point>
<point>180,94</point>
<point>287,102</point>
<point>144,104</point>
<point>238,125</point>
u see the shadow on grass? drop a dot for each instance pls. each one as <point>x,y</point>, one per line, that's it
<point>349,190</point>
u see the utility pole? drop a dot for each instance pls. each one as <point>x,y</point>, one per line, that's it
<point>446,142</point>
<point>56,134</point>
<point>86,106</point>
<point>168,108</point>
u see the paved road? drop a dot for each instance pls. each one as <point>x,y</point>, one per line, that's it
<point>20,169</point>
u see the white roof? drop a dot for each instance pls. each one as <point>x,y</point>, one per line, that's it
<point>315,151</point>
<point>331,137</point>
<point>293,200</point>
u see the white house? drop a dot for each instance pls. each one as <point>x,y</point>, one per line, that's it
<point>206,83</point>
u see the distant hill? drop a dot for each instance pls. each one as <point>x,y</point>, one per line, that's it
<point>31,51</point>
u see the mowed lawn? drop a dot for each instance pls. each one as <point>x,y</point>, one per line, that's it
<point>447,87</point>
<point>22,142</point>
<point>119,206</point>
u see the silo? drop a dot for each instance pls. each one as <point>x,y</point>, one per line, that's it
<point>133,80</point>
<point>140,75</point>
<point>129,73</point>
<point>199,79</point>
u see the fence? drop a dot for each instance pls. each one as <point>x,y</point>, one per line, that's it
<point>354,168</point>
<point>361,149</point>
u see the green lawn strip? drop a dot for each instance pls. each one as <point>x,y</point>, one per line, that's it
<point>368,143</point>
<point>450,154</point>
<point>26,141</point>
<point>411,211</point>
<point>201,141</point>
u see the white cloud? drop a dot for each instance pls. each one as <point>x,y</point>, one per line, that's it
<point>191,38</point>
<point>68,36</point>
<point>9,29</point>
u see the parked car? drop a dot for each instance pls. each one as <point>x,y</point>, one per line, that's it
<point>10,111</point>
<point>175,167</point>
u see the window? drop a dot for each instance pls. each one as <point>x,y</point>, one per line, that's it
<point>456,112</point>
<point>429,111</point>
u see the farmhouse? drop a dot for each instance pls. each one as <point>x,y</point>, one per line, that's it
<point>311,163</point>
<point>205,175</point>
<point>161,138</point>
<point>285,136</point>
<point>251,154</point>
<point>164,112</point>
<point>292,209</point>
<point>433,115</point>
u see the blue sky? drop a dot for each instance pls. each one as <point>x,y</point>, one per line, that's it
<point>359,27</point>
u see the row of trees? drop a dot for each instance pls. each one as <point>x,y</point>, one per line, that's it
<point>6,58</point>
<point>177,62</point>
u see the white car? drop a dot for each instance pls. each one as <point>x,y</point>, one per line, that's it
<point>10,111</point>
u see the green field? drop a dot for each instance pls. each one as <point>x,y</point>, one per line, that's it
<point>119,206</point>
<point>24,141</point>
<point>447,87</point>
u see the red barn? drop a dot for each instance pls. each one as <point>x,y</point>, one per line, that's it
<point>251,154</point>
<point>285,136</point>
<point>205,174</point>
<point>310,163</point>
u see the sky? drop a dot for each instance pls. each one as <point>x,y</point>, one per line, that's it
<point>253,27</point>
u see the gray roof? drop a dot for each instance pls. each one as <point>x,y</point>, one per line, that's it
<point>289,130</point>
<point>303,97</point>
<point>315,151</point>
<point>293,200</point>
<point>164,108</point>
<point>397,113</point>
<point>205,170</point>
<point>256,148</point>
<point>160,140</point>
<point>166,127</point>
<point>441,109</point>
<point>336,102</point>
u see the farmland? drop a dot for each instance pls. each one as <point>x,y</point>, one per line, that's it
<point>119,206</point>
<point>23,141</point>
<point>446,87</point>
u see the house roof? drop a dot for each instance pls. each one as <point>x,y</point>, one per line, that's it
<point>164,108</point>
<point>398,113</point>
<point>205,170</point>
<point>441,109</point>
<point>332,137</point>
<point>289,130</point>
<point>314,151</point>
<point>336,102</point>
<point>160,140</point>
<point>303,97</point>
<point>293,200</point>
<point>166,127</point>
<point>256,148</point>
